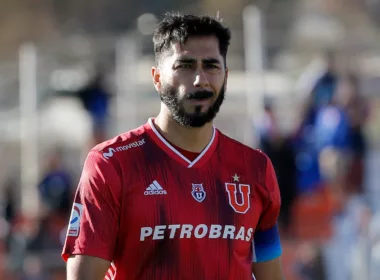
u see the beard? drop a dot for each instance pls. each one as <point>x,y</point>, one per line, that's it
<point>171,98</point>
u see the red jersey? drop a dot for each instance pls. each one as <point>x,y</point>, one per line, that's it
<point>154,214</point>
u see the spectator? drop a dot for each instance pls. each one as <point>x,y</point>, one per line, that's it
<point>321,94</point>
<point>280,150</point>
<point>349,99</point>
<point>95,99</point>
<point>307,162</point>
<point>10,202</point>
<point>309,264</point>
<point>55,188</point>
<point>56,196</point>
<point>374,234</point>
<point>325,86</point>
<point>339,137</point>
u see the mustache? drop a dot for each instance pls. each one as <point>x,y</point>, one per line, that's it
<point>200,95</point>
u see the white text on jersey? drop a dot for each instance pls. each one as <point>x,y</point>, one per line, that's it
<point>111,151</point>
<point>199,231</point>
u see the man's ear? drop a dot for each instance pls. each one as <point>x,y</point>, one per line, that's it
<point>225,79</point>
<point>156,78</point>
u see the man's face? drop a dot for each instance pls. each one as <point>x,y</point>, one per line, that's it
<point>191,80</point>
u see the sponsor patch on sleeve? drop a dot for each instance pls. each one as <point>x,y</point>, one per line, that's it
<point>76,214</point>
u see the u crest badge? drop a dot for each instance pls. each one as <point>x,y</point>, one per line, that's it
<point>244,191</point>
<point>198,192</point>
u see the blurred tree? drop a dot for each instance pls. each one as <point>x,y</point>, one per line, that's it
<point>22,21</point>
<point>97,16</point>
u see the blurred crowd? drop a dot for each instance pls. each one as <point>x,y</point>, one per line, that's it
<point>328,227</point>
<point>30,248</point>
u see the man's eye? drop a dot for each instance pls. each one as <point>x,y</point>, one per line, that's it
<point>184,66</point>
<point>212,66</point>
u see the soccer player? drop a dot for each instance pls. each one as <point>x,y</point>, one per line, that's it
<point>175,198</point>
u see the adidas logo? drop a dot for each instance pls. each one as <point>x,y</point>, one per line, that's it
<point>154,189</point>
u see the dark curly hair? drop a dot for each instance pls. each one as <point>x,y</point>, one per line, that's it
<point>177,28</point>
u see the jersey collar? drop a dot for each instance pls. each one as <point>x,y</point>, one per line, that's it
<point>201,159</point>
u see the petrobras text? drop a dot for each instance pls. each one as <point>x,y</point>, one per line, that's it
<point>199,231</point>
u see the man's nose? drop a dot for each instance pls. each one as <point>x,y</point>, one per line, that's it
<point>200,79</point>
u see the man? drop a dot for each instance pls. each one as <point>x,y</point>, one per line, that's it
<point>175,198</point>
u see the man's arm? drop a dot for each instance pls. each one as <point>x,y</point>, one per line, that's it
<point>270,270</point>
<point>267,255</point>
<point>94,222</point>
<point>81,267</point>
<point>266,242</point>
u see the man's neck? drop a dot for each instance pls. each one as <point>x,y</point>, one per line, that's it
<point>187,138</point>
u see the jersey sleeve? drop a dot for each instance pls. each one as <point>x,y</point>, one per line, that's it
<point>266,241</point>
<point>93,224</point>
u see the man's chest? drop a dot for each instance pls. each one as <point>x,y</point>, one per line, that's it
<point>176,202</point>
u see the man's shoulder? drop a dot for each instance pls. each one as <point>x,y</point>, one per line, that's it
<point>233,146</point>
<point>125,141</point>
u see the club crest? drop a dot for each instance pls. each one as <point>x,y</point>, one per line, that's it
<point>198,192</point>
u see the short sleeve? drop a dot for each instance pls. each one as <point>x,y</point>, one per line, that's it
<point>266,242</point>
<point>93,224</point>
